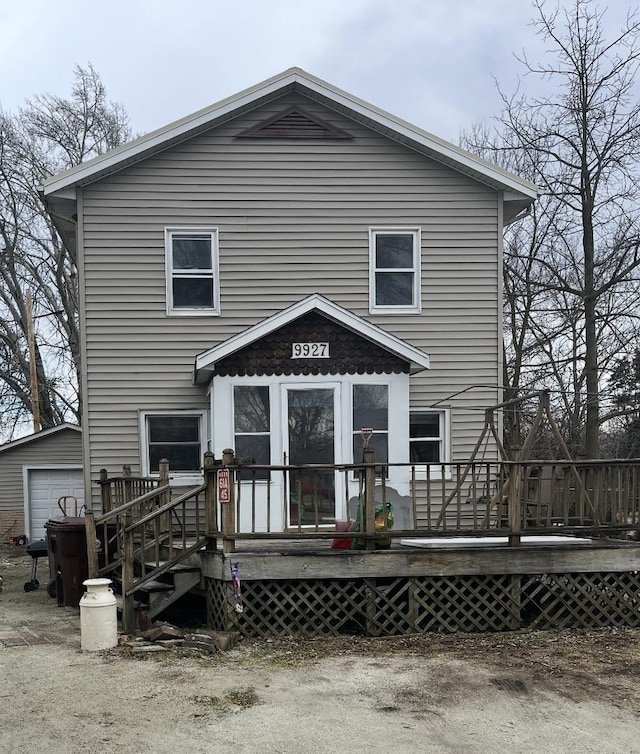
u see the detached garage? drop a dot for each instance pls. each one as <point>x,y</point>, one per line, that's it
<point>35,471</point>
<point>44,487</point>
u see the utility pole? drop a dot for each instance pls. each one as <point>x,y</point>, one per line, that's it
<point>33,373</point>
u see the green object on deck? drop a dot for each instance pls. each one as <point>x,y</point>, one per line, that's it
<point>383,522</point>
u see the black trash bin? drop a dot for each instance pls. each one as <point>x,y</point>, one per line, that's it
<point>67,545</point>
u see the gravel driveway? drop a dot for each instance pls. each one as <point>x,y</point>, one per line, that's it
<point>565,691</point>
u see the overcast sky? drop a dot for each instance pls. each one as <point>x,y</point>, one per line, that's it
<point>428,61</point>
<point>432,62</point>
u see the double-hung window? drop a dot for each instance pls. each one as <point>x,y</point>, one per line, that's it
<point>428,441</point>
<point>394,270</point>
<point>371,411</point>
<point>192,271</point>
<point>252,422</point>
<point>176,436</point>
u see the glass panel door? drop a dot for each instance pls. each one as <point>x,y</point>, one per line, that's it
<point>310,431</point>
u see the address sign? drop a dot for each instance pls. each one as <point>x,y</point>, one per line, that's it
<point>309,350</point>
<point>224,491</point>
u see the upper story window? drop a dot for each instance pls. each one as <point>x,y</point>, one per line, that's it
<point>394,270</point>
<point>192,271</point>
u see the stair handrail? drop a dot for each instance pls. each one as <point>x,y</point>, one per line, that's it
<point>115,512</point>
<point>92,521</point>
<point>166,508</point>
<point>164,568</point>
<point>129,518</point>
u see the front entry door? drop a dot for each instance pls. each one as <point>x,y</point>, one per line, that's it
<point>311,434</point>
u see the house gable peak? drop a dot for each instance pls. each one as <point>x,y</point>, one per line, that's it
<point>207,362</point>
<point>293,79</point>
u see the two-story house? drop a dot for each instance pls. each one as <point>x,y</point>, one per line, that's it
<point>278,271</point>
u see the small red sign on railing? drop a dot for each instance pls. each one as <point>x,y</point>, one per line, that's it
<point>224,492</point>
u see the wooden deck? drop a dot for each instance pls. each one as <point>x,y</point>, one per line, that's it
<point>293,582</point>
<point>285,559</point>
<point>294,587</point>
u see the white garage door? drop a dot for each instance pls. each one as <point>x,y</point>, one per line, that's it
<point>44,488</point>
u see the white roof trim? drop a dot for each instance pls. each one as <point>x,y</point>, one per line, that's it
<point>205,362</point>
<point>182,129</point>
<point>37,436</point>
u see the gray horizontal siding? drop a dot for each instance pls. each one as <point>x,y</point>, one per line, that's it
<point>293,219</point>
<point>59,448</point>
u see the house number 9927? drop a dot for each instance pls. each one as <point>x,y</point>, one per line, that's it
<point>309,350</point>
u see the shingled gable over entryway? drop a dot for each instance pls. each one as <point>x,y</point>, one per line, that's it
<point>355,346</point>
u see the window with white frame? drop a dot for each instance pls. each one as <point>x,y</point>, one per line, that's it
<point>252,426</point>
<point>192,271</point>
<point>394,270</point>
<point>371,411</point>
<point>176,436</point>
<point>428,436</point>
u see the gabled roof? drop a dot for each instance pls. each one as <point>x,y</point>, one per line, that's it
<point>206,362</point>
<point>38,436</point>
<point>293,79</point>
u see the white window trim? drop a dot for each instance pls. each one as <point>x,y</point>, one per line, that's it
<point>356,431</point>
<point>182,478</point>
<point>221,397</point>
<point>214,310</point>
<point>268,434</point>
<point>416,307</point>
<point>445,444</point>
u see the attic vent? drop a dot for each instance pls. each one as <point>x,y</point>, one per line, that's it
<point>294,123</point>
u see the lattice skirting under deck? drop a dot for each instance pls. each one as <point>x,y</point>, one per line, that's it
<point>410,605</point>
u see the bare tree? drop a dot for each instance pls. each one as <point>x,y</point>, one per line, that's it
<point>582,141</point>
<point>537,319</point>
<point>624,418</point>
<point>586,137</point>
<point>48,135</point>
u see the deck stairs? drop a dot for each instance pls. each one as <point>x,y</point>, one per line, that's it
<point>150,547</point>
<point>158,594</point>
<point>154,596</point>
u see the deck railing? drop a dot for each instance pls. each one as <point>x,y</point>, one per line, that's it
<point>509,498</point>
<point>118,490</point>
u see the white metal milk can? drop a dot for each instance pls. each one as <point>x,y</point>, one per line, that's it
<point>98,616</point>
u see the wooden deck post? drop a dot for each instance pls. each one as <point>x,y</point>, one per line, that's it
<point>127,483</point>
<point>516,490</point>
<point>105,491</point>
<point>369,458</point>
<point>128,607</point>
<point>165,497</point>
<point>229,507</point>
<point>92,547</point>
<point>515,602</point>
<point>163,468</point>
<point>210,501</point>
